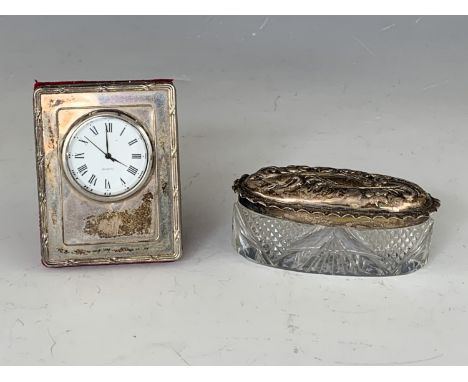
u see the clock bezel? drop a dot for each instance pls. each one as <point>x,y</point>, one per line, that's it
<point>115,114</point>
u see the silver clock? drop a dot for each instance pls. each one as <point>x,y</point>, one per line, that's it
<point>108,172</point>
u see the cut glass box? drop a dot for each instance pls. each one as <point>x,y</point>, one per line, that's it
<point>331,221</point>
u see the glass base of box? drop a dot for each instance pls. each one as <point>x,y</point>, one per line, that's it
<point>336,250</point>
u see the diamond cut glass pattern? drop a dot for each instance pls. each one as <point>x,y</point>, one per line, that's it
<point>338,250</point>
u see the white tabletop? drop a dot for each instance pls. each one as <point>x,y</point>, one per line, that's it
<point>382,94</point>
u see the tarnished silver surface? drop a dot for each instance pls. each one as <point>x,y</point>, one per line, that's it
<point>78,230</point>
<point>328,196</point>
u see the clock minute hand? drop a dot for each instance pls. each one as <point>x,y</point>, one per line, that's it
<point>107,142</point>
<point>90,141</point>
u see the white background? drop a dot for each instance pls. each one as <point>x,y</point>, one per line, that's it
<point>380,94</point>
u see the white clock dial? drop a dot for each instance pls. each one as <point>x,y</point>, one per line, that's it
<point>107,156</point>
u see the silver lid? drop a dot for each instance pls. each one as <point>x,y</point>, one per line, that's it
<point>329,196</point>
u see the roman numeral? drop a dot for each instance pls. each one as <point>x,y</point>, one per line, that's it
<point>79,156</point>
<point>92,180</point>
<point>123,181</point>
<point>132,170</point>
<point>81,140</point>
<point>122,131</point>
<point>108,127</point>
<point>132,142</point>
<point>94,130</point>
<point>83,169</point>
<point>136,156</point>
<point>107,184</point>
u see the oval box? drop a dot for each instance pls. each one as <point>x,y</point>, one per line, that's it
<point>332,221</point>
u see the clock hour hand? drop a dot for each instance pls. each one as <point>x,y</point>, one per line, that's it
<point>115,160</point>
<point>90,141</point>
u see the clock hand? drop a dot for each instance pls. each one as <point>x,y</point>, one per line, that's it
<point>115,160</point>
<point>107,155</point>
<point>90,141</point>
<point>107,142</point>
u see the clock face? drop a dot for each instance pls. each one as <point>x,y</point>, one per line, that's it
<point>107,156</point>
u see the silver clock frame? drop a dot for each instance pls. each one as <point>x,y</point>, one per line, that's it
<point>142,227</point>
<point>115,114</point>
